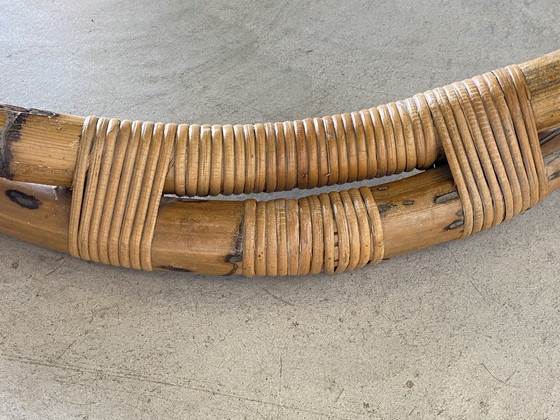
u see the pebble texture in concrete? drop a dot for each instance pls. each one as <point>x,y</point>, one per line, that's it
<point>466,330</point>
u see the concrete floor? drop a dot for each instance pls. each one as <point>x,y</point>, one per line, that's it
<point>466,330</point>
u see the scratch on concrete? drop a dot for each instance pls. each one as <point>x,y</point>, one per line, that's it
<point>179,383</point>
<point>498,379</point>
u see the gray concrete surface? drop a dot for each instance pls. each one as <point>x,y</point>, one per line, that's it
<point>467,330</point>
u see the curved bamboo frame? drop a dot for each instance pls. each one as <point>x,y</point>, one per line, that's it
<point>38,147</point>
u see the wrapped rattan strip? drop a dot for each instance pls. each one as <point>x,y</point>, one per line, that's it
<point>485,124</point>
<point>490,139</point>
<point>523,96</point>
<point>308,153</point>
<point>331,232</point>
<point>118,185</point>
<point>78,183</point>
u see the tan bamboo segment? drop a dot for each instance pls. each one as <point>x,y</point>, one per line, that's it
<point>42,147</point>
<point>205,236</point>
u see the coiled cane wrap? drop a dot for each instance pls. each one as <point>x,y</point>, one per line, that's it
<point>490,139</point>
<point>485,124</point>
<point>331,232</point>
<point>117,188</point>
<point>308,153</point>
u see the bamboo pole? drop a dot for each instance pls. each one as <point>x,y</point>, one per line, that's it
<point>41,147</point>
<point>205,236</point>
<point>38,147</point>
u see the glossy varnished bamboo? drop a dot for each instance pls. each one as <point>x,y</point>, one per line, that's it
<point>41,147</point>
<point>205,236</point>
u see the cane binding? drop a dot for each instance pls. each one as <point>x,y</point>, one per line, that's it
<point>487,128</point>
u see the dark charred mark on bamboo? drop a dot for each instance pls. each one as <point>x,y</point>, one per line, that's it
<point>11,131</point>
<point>189,200</point>
<point>383,188</point>
<point>456,224</point>
<point>554,176</point>
<point>551,158</point>
<point>232,271</point>
<point>445,198</point>
<point>24,200</point>
<point>234,258</point>
<point>548,135</point>
<point>385,207</point>
<point>237,255</point>
<point>9,134</point>
<point>172,198</point>
<point>30,111</point>
<point>408,202</point>
<point>173,268</point>
<point>12,108</point>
